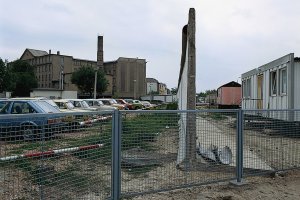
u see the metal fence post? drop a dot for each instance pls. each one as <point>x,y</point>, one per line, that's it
<point>116,156</point>
<point>239,149</point>
<point>240,146</point>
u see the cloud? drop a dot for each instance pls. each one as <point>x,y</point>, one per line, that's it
<point>232,37</point>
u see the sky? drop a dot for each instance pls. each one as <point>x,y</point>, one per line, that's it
<point>232,36</point>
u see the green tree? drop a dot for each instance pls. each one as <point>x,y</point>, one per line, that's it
<point>24,77</point>
<point>6,78</point>
<point>84,79</point>
<point>174,90</point>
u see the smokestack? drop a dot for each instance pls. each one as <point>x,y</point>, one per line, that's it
<point>100,52</point>
<point>58,53</point>
<point>49,51</point>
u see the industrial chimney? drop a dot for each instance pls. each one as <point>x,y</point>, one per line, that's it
<point>100,52</point>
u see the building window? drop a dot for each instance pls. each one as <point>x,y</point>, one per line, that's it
<point>283,81</point>
<point>273,83</point>
<point>247,88</point>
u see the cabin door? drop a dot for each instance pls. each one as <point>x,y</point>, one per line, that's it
<point>260,91</point>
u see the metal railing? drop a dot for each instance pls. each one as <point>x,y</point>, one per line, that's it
<point>109,155</point>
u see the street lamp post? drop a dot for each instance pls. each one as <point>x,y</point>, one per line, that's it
<point>134,89</point>
<point>95,85</point>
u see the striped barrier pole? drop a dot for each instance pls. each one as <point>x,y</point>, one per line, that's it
<point>51,152</point>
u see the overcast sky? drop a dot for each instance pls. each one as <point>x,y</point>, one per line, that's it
<point>232,36</point>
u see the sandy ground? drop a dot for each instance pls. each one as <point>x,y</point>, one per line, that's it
<point>268,148</point>
<point>281,186</point>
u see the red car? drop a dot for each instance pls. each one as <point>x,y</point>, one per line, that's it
<point>128,106</point>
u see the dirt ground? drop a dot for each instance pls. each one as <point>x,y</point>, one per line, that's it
<point>271,148</point>
<point>281,186</point>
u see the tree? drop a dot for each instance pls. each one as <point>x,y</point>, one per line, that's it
<point>84,79</point>
<point>6,78</point>
<point>174,90</point>
<point>22,73</point>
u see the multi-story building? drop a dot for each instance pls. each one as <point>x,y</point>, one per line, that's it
<point>152,86</point>
<point>126,76</point>
<point>162,88</point>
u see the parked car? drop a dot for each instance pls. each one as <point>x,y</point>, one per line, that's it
<point>96,103</point>
<point>50,101</point>
<point>147,104</point>
<point>112,102</point>
<point>136,104</point>
<point>78,118</point>
<point>128,106</point>
<point>80,103</point>
<point>21,118</point>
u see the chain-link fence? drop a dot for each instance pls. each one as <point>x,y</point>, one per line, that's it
<point>109,155</point>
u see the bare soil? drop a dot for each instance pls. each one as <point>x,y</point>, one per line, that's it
<point>279,186</point>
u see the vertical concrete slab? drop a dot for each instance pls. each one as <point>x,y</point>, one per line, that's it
<point>191,86</point>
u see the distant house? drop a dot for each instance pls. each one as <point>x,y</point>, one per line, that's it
<point>152,86</point>
<point>275,85</point>
<point>229,95</point>
<point>162,88</point>
<point>211,99</point>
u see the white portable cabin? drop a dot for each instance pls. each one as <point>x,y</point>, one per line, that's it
<point>275,85</point>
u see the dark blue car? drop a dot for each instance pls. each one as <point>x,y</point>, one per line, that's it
<point>28,119</point>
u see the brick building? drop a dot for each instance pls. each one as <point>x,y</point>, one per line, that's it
<point>126,76</point>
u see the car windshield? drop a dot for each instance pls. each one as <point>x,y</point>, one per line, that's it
<point>100,103</point>
<point>3,103</point>
<point>113,101</point>
<point>105,102</point>
<point>46,107</point>
<point>85,104</point>
<point>4,109</point>
<point>70,105</point>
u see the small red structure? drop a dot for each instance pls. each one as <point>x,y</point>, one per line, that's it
<point>229,95</point>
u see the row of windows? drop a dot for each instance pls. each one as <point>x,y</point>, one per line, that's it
<point>278,79</point>
<point>45,85</point>
<point>43,68</point>
<point>40,60</point>
<point>84,63</point>
<point>45,77</point>
<point>277,84</point>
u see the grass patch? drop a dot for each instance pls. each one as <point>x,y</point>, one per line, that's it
<point>137,171</point>
<point>217,116</point>
<point>140,131</point>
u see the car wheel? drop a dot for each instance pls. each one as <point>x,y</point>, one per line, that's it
<point>29,132</point>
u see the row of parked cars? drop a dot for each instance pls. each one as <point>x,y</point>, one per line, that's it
<point>32,118</point>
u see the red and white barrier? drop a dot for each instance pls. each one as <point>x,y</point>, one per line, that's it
<point>51,152</point>
<point>91,121</point>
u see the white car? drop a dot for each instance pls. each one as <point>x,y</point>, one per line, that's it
<point>95,103</point>
<point>80,103</point>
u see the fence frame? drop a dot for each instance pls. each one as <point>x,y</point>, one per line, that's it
<point>116,176</point>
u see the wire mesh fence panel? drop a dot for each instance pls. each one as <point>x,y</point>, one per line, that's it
<point>216,147</point>
<point>271,141</point>
<point>148,151</point>
<point>73,162</point>
<point>70,155</point>
<point>156,153</point>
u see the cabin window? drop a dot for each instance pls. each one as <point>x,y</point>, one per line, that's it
<point>283,81</point>
<point>247,88</point>
<point>273,83</point>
